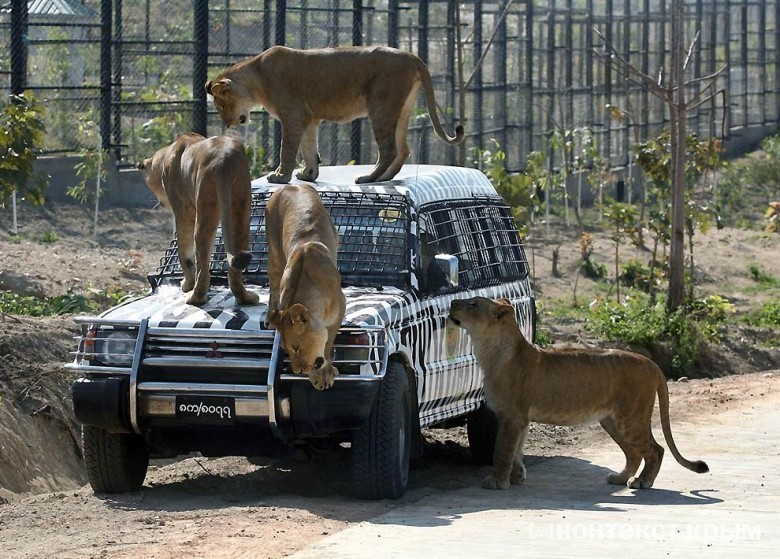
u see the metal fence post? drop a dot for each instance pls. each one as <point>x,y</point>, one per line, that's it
<point>357,40</point>
<point>392,23</point>
<point>106,38</point>
<point>18,46</point>
<point>200,37</point>
<point>281,39</point>
<point>423,54</point>
<point>116,89</point>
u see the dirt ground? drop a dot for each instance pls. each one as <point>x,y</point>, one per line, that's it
<point>231,507</point>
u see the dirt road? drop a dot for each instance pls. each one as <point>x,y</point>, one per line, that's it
<point>277,507</point>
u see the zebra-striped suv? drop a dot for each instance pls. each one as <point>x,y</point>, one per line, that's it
<point>160,378</point>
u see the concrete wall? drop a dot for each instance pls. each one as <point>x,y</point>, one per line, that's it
<point>123,187</point>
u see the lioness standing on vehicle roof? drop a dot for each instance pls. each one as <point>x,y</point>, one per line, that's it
<point>306,304</point>
<point>205,181</point>
<point>301,88</point>
<point>565,387</point>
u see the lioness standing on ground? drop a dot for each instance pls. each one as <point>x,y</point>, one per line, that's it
<point>205,181</point>
<point>565,387</point>
<point>305,302</point>
<point>301,88</point>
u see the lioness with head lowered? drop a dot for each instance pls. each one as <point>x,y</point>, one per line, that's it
<point>565,387</point>
<point>306,304</point>
<point>301,88</point>
<point>204,181</point>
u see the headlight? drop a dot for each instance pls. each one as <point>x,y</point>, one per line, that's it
<point>357,352</point>
<point>113,348</point>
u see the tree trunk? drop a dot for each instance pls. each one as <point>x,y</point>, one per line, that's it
<point>676,295</point>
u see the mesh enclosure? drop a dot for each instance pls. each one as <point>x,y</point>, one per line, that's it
<point>373,242</point>
<point>128,75</point>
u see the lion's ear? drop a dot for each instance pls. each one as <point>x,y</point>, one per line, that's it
<point>298,314</point>
<point>140,165</point>
<point>503,301</point>
<point>216,86</point>
<point>501,310</point>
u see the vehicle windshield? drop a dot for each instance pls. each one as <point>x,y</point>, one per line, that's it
<point>373,242</point>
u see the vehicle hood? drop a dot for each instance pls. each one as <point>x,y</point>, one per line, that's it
<point>166,307</point>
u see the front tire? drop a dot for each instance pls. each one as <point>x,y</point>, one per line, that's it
<point>482,430</point>
<point>381,448</point>
<point>115,462</point>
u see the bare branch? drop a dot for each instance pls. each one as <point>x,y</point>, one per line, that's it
<point>489,43</point>
<point>712,77</point>
<point>707,98</point>
<point>690,51</point>
<point>624,71</point>
<point>625,67</point>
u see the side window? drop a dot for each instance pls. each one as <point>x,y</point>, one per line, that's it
<point>432,276</point>
<point>481,234</point>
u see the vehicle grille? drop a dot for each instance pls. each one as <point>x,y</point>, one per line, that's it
<point>206,356</point>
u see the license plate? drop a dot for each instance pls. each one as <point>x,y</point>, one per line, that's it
<point>213,410</point>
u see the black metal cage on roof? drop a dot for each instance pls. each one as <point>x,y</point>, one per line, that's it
<point>373,241</point>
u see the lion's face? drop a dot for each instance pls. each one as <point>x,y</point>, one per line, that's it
<point>480,315</point>
<point>303,340</point>
<point>231,103</point>
<point>151,171</point>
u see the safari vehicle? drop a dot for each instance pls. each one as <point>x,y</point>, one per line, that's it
<point>160,378</point>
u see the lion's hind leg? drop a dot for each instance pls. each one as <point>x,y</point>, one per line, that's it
<point>401,147</point>
<point>310,152</point>
<point>633,455</point>
<point>239,290</point>
<point>205,227</point>
<point>654,455</point>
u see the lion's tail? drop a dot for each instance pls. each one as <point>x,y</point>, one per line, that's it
<point>236,234</point>
<point>662,389</point>
<point>430,100</point>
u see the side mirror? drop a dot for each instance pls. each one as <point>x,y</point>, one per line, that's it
<point>449,265</point>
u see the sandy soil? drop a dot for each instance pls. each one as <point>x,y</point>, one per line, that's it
<point>231,507</point>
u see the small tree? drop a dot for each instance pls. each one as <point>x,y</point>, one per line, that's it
<point>622,218</point>
<point>21,134</point>
<point>518,190</point>
<point>674,93</point>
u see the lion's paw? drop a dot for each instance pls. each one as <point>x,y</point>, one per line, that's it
<point>278,178</point>
<point>307,174</point>
<point>323,378</point>
<point>518,474</point>
<point>272,319</point>
<point>616,479</point>
<point>637,483</point>
<point>490,482</point>
<point>187,285</point>
<point>197,299</point>
<point>248,298</point>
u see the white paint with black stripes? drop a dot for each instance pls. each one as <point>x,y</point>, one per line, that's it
<point>390,235</point>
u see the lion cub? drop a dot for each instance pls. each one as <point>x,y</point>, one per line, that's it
<point>205,181</point>
<point>565,387</point>
<point>305,304</point>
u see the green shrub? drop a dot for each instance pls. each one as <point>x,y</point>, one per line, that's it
<point>48,237</point>
<point>637,275</point>
<point>592,269</point>
<point>27,305</point>
<point>758,275</point>
<point>635,323</point>
<point>767,315</point>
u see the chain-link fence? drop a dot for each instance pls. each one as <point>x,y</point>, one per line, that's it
<point>128,74</point>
